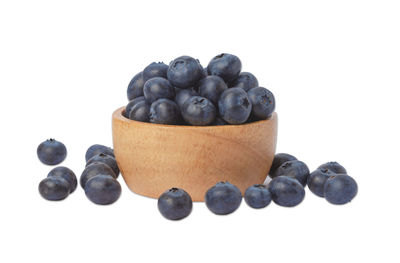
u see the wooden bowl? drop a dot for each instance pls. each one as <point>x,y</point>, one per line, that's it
<point>153,157</point>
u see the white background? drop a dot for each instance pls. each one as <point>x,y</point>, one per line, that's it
<point>333,67</point>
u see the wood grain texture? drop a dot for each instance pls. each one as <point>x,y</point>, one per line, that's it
<point>153,158</point>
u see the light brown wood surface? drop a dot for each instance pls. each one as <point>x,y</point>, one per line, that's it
<point>153,157</point>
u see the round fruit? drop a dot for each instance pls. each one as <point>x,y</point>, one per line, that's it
<point>223,198</point>
<point>211,88</point>
<point>245,81</point>
<point>175,204</point>
<point>317,179</point>
<point>157,88</point>
<point>294,169</point>
<point>334,167</point>
<point>286,191</point>
<point>183,94</point>
<point>135,87</point>
<point>257,196</point>
<point>280,159</point>
<point>140,112</point>
<point>234,106</point>
<point>106,159</point>
<point>164,111</point>
<point>184,72</point>
<point>155,70</point>
<point>103,189</point>
<point>93,170</point>
<point>67,174</point>
<point>226,66</point>
<point>51,152</point>
<point>96,149</point>
<point>54,188</point>
<point>198,111</point>
<point>130,105</point>
<point>340,189</point>
<point>263,102</point>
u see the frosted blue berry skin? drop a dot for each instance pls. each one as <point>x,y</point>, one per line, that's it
<point>155,69</point>
<point>96,149</point>
<point>51,152</point>
<point>295,169</point>
<point>175,204</point>
<point>158,88</point>
<point>245,80</point>
<point>183,95</point>
<point>198,111</point>
<point>106,159</point>
<point>257,196</point>
<point>184,72</point>
<point>226,66</point>
<point>165,111</point>
<point>103,189</point>
<point>286,191</point>
<point>334,167</point>
<point>211,88</point>
<point>317,179</point>
<point>279,159</point>
<point>234,106</point>
<point>67,174</point>
<point>54,188</point>
<point>223,198</point>
<point>130,105</point>
<point>340,189</point>
<point>93,170</point>
<point>263,103</point>
<point>135,87</point>
<point>140,112</point>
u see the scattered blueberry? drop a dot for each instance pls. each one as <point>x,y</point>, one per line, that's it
<point>226,66</point>
<point>280,159</point>
<point>165,111</point>
<point>135,87</point>
<point>106,159</point>
<point>155,70</point>
<point>286,191</point>
<point>211,88</point>
<point>183,95</point>
<point>223,198</point>
<point>140,112</point>
<point>334,167</point>
<point>93,170</point>
<point>96,149</point>
<point>157,88</point>
<point>175,204</point>
<point>51,152</point>
<point>295,169</point>
<point>184,72</point>
<point>67,174</point>
<point>340,189</point>
<point>132,103</point>
<point>234,106</point>
<point>198,111</point>
<point>245,80</point>
<point>103,189</point>
<point>317,179</point>
<point>257,196</point>
<point>263,102</point>
<point>54,188</point>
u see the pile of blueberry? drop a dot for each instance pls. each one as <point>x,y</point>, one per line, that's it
<point>98,179</point>
<point>185,93</point>
<point>289,177</point>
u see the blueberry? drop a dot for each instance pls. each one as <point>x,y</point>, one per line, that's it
<point>93,170</point>
<point>245,80</point>
<point>198,111</point>
<point>183,95</point>
<point>184,72</point>
<point>340,189</point>
<point>257,196</point>
<point>155,70</point>
<point>211,88</point>
<point>219,122</point>
<point>294,169</point>
<point>103,189</point>
<point>157,88</point>
<point>51,152</point>
<point>135,87</point>
<point>175,204</point>
<point>223,198</point>
<point>226,66</point>
<point>140,112</point>
<point>334,167</point>
<point>234,106</point>
<point>54,188</point>
<point>66,174</point>
<point>106,159</point>
<point>286,191</point>
<point>130,105</point>
<point>96,149</point>
<point>263,102</point>
<point>317,179</point>
<point>280,159</point>
<point>165,111</point>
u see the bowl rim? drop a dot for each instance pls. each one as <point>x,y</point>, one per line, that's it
<point>118,114</point>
